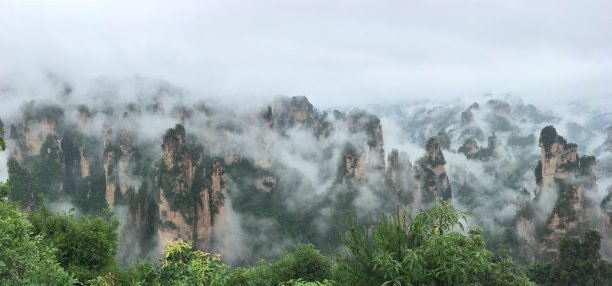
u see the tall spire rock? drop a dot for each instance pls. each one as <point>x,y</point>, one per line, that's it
<point>361,157</point>
<point>362,121</point>
<point>608,142</point>
<point>561,170</point>
<point>38,123</point>
<point>431,173</point>
<point>298,112</point>
<point>471,150</point>
<point>500,118</point>
<point>444,140</point>
<point>467,117</point>
<point>469,126</point>
<point>190,190</point>
<point>558,159</point>
<point>400,176</point>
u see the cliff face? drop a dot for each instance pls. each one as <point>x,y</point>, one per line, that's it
<point>361,121</point>
<point>54,154</point>
<point>500,118</point>
<point>352,165</point>
<point>558,159</point>
<point>606,207</point>
<point>37,130</point>
<point>118,165</point>
<point>469,125</point>
<point>431,174</point>
<point>110,175</point>
<point>608,142</point>
<point>190,190</point>
<point>141,239</point>
<point>109,156</point>
<point>467,117</point>
<point>471,150</point>
<point>361,157</point>
<point>108,166</point>
<point>297,111</point>
<point>561,170</point>
<point>400,176</point>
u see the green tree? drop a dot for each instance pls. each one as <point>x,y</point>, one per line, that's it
<point>304,265</point>
<point>578,263</point>
<point>423,251</point>
<point>22,189</point>
<point>86,246</point>
<point>25,259</point>
<point>182,265</point>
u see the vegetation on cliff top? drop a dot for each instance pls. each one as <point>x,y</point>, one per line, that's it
<point>47,248</point>
<point>431,248</point>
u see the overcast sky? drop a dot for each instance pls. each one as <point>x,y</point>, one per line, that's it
<point>334,52</point>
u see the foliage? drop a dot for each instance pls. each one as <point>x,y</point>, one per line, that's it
<point>428,249</point>
<point>301,282</point>
<point>182,265</point>
<point>137,274</point>
<point>578,263</point>
<point>25,259</point>
<point>86,246</point>
<point>21,183</point>
<point>304,265</point>
<point>424,251</point>
<point>41,174</point>
<point>548,136</point>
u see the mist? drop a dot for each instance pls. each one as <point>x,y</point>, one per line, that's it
<point>214,68</point>
<point>335,53</point>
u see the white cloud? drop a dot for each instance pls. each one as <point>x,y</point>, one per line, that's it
<point>336,53</point>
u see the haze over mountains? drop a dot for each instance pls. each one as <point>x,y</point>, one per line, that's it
<point>251,179</point>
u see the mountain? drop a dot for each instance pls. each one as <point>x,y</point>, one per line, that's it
<point>250,181</point>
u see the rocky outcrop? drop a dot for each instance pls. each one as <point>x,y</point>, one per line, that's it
<point>400,176</point>
<point>362,121</point>
<point>352,165</point>
<point>469,127</point>
<point>561,170</point>
<point>500,107</point>
<point>444,140</point>
<point>298,112</point>
<point>608,143</point>
<point>266,183</point>
<point>139,238</point>
<point>431,174</point>
<point>37,124</point>
<point>109,164</point>
<point>190,188</point>
<point>126,161</point>
<point>606,209</point>
<point>361,157</point>
<point>500,118</point>
<point>119,158</point>
<point>110,177</point>
<point>558,159</point>
<point>525,229</point>
<point>471,150</point>
<point>467,117</point>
